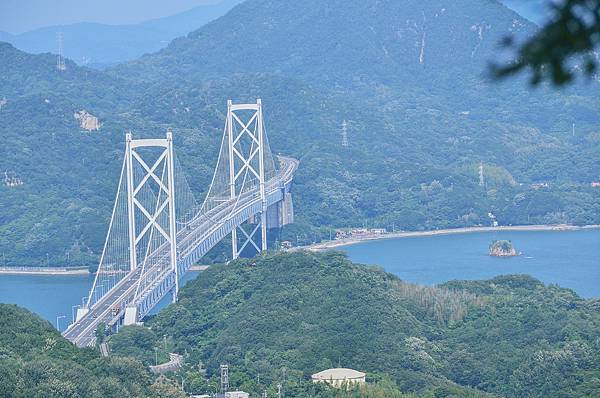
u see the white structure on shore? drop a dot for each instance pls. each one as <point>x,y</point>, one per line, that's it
<point>237,394</point>
<point>339,377</point>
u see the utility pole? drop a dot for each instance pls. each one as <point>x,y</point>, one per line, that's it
<point>57,318</point>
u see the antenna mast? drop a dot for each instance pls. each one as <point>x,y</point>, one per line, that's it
<point>224,379</point>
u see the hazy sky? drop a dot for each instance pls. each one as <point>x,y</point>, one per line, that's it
<point>18,16</point>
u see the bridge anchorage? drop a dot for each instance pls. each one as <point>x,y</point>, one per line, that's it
<point>158,230</point>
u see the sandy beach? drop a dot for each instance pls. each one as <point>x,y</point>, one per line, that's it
<point>395,235</point>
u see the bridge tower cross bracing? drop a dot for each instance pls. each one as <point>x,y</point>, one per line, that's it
<point>242,162</point>
<point>163,209</point>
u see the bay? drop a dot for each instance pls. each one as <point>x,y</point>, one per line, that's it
<point>568,258</point>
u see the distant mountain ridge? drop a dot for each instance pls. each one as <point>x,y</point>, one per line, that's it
<point>5,36</point>
<point>101,45</point>
<point>384,39</point>
<point>536,11</point>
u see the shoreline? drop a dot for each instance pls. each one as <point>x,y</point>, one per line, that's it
<point>327,245</point>
<point>58,271</point>
<point>44,271</point>
<point>450,231</point>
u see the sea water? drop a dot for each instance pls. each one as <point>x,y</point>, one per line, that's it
<point>570,259</point>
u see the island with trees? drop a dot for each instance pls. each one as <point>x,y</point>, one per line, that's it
<point>503,248</point>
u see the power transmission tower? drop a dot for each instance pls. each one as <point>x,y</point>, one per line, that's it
<point>481,177</point>
<point>224,379</point>
<point>60,59</point>
<point>344,134</point>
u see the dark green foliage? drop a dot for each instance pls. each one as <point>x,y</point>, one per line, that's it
<point>100,334</point>
<point>137,342</point>
<point>36,362</point>
<point>569,38</point>
<point>502,248</point>
<point>291,315</point>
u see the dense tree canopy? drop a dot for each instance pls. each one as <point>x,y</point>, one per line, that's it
<point>36,362</point>
<point>287,316</point>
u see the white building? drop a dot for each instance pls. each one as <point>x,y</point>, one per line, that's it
<point>339,376</point>
<point>237,394</point>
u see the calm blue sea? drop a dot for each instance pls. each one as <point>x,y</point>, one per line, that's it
<point>570,259</point>
<point>567,258</point>
<point>53,296</point>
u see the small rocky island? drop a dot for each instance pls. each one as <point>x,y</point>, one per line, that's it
<point>502,248</point>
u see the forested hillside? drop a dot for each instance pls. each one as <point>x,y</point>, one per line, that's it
<point>287,316</point>
<point>60,213</point>
<point>36,362</point>
<point>407,77</point>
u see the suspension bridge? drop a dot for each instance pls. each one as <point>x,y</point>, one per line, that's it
<point>158,230</point>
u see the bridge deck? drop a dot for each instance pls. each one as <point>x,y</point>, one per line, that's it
<point>204,231</point>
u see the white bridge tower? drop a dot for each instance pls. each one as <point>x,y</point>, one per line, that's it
<point>246,145</point>
<point>149,219</point>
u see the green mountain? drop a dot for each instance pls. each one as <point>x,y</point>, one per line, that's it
<point>35,361</point>
<point>407,77</point>
<point>292,315</point>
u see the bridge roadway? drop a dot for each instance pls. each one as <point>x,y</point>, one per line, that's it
<point>110,308</point>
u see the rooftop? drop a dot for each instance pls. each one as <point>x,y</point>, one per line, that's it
<point>338,374</point>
